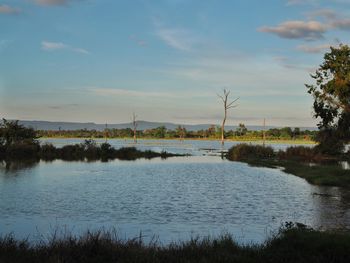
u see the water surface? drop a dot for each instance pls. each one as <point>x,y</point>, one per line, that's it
<point>172,199</point>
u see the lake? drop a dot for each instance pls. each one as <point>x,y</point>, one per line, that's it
<point>172,199</point>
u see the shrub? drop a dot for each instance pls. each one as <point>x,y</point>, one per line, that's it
<point>72,152</point>
<point>48,151</point>
<point>298,153</point>
<point>22,150</point>
<point>246,151</point>
<point>106,151</point>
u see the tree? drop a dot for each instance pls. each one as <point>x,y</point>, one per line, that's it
<point>227,105</point>
<point>331,95</point>
<point>241,130</point>
<point>180,132</point>
<point>160,132</point>
<point>11,132</point>
<point>134,124</point>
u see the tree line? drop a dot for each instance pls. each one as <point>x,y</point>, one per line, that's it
<point>213,132</point>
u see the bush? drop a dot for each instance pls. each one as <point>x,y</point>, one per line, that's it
<point>246,151</point>
<point>72,152</point>
<point>22,150</point>
<point>299,153</point>
<point>107,151</point>
<point>48,151</point>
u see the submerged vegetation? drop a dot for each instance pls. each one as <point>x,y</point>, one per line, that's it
<point>88,150</point>
<point>293,243</point>
<point>306,162</point>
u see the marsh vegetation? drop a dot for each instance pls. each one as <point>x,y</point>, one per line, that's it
<point>293,243</point>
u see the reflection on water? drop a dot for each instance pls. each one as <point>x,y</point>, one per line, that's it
<point>12,167</point>
<point>345,165</point>
<point>172,199</point>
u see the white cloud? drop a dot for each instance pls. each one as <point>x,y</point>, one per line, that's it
<point>313,49</point>
<point>128,93</point>
<point>5,9</point>
<point>310,30</point>
<point>51,2</point>
<point>54,46</point>
<point>301,2</point>
<point>343,24</point>
<point>50,46</point>
<point>268,77</point>
<point>322,13</point>
<point>176,38</point>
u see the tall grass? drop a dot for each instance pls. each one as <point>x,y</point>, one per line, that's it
<point>291,244</point>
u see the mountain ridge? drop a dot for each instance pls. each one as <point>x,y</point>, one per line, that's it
<point>142,125</point>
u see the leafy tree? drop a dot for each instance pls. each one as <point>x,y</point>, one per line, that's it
<point>286,132</point>
<point>160,132</point>
<point>11,132</point>
<point>331,95</point>
<point>241,130</point>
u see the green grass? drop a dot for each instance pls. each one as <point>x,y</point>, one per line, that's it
<point>320,174</point>
<point>295,160</point>
<point>291,244</point>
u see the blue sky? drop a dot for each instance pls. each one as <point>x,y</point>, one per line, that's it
<point>101,60</point>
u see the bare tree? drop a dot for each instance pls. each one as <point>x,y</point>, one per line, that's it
<point>134,124</point>
<point>227,105</point>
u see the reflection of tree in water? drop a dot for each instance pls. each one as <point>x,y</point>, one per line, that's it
<point>14,166</point>
<point>333,205</point>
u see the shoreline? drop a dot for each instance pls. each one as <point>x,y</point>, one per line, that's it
<point>256,140</point>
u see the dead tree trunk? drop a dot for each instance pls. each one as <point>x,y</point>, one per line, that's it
<point>227,105</point>
<point>134,123</point>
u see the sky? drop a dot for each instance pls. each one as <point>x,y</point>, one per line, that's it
<point>166,60</point>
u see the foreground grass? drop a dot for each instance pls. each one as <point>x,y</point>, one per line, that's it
<point>291,244</point>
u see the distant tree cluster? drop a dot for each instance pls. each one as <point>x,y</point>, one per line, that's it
<point>213,132</point>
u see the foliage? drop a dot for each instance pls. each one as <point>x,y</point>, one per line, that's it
<point>241,130</point>
<point>331,95</point>
<point>11,133</point>
<point>247,151</point>
<point>300,153</point>
<point>88,150</point>
<point>213,132</point>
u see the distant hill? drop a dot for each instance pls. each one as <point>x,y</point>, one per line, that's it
<point>142,125</point>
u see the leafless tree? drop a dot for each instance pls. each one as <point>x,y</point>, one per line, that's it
<point>134,124</point>
<point>227,105</point>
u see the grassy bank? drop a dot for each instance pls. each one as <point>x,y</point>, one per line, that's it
<point>291,244</point>
<point>303,162</point>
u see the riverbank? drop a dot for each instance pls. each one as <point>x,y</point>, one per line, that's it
<point>300,161</point>
<point>237,139</point>
<point>293,243</point>
<point>316,174</point>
